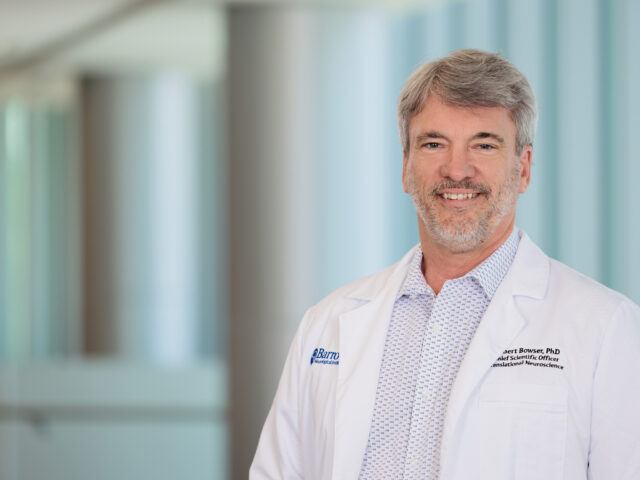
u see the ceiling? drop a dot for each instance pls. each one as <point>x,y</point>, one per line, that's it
<point>28,25</point>
<point>110,35</point>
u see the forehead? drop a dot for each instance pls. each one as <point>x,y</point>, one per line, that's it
<point>454,120</point>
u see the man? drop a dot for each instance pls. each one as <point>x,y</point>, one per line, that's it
<point>476,356</point>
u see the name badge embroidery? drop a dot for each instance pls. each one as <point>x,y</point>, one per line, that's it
<point>548,357</point>
<point>325,357</point>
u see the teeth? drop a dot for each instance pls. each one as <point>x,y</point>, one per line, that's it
<point>459,196</point>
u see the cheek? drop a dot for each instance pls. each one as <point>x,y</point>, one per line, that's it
<point>421,174</point>
<point>503,178</point>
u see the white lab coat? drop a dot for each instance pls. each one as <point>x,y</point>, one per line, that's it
<point>519,422</point>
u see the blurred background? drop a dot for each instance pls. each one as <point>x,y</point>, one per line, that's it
<point>180,180</point>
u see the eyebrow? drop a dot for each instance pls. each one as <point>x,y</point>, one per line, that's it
<point>495,136</point>
<point>435,134</point>
<point>429,135</point>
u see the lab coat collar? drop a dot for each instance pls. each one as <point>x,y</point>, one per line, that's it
<point>363,334</point>
<point>529,258</point>
<point>529,274</point>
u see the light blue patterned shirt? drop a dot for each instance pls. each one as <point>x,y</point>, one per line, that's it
<point>427,339</point>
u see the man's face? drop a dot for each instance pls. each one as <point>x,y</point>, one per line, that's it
<point>463,173</point>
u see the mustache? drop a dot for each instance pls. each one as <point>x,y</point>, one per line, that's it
<point>464,184</point>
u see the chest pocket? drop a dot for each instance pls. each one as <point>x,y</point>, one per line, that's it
<point>534,420</point>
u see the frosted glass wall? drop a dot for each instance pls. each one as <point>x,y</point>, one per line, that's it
<point>40,261</point>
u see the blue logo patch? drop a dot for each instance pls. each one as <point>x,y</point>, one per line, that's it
<point>320,355</point>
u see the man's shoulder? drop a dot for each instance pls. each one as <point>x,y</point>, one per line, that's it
<point>582,289</point>
<point>565,289</point>
<point>560,286</point>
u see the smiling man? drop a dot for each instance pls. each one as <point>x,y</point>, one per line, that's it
<point>476,356</point>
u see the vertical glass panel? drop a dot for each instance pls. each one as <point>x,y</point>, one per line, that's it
<point>580,203</point>
<point>628,261</point>
<point>17,260</point>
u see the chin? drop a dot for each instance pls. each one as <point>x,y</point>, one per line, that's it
<point>460,235</point>
<point>459,242</point>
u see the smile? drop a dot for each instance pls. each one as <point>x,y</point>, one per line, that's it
<point>459,196</point>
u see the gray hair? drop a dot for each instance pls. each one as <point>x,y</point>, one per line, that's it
<point>471,78</point>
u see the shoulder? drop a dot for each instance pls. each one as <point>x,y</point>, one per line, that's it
<point>584,293</point>
<point>577,303</point>
<point>556,282</point>
<point>562,298</point>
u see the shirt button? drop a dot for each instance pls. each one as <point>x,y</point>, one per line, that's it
<point>435,328</point>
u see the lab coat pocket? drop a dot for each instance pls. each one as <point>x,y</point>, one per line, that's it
<point>536,417</point>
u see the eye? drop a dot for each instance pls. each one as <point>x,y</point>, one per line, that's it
<point>431,145</point>
<point>487,147</point>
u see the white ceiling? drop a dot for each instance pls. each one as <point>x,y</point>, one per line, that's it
<point>27,25</point>
<point>88,36</point>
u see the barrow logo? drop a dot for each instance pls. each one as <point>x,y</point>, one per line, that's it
<point>322,356</point>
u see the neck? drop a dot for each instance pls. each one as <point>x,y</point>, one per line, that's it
<point>440,264</point>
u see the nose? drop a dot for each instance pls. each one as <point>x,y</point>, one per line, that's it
<point>457,165</point>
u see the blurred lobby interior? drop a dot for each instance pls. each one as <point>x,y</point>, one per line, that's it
<point>181,179</point>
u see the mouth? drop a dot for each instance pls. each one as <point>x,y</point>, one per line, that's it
<point>459,198</point>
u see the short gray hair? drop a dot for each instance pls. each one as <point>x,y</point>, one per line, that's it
<point>471,78</point>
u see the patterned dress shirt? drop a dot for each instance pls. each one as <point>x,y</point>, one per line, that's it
<point>427,339</point>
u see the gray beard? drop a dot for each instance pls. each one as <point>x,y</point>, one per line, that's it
<point>466,234</point>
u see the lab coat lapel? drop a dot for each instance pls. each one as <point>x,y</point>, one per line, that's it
<point>363,332</point>
<point>500,325</point>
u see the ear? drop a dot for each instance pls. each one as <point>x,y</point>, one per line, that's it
<point>525,159</point>
<point>405,173</point>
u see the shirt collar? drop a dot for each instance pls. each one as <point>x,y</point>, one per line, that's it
<point>415,284</point>
<point>488,274</point>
